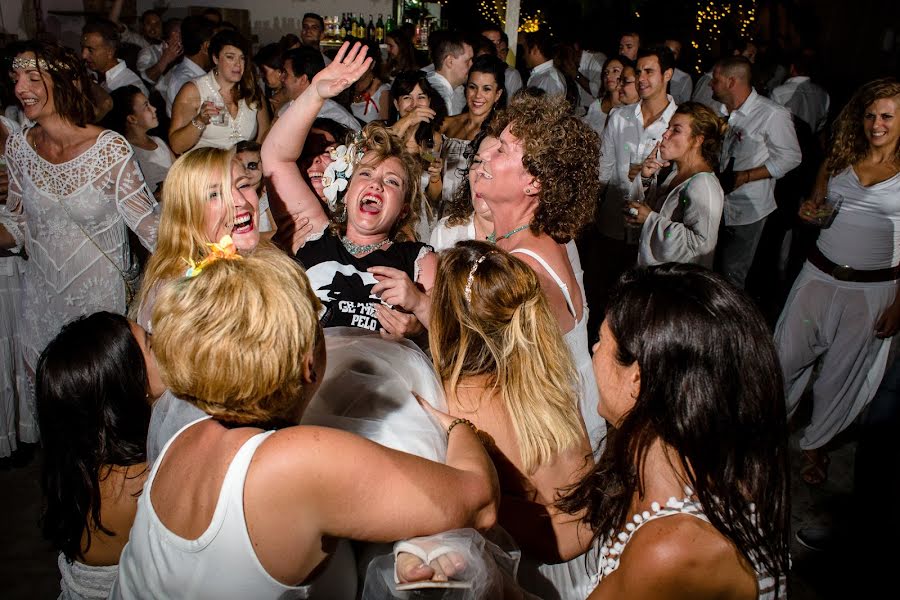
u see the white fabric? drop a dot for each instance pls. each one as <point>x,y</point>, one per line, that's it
<point>593,71</point>
<point>265,224</point>
<point>334,111</point>
<point>445,236</point>
<point>13,381</point>
<point>120,76</point>
<point>154,164</point>
<point>66,275</point>
<point>132,37</point>
<point>805,100</point>
<point>703,94</point>
<point>148,57</point>
<point>186,70</point>
<point>221,563</point>
<point>625,132</point>
<point>367,111</point>
<point>548,78</point>
<point>865,233</point>
<point>680,86</point>
<point>684,226</point>
<point>454,98</point>
<point>512,81</point>
<point>760,133</point>
<point>79,581</point>
<point>595,117</point>
<point>236,129</point>
<point>453,155</point>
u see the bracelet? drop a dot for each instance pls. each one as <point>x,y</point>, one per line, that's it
<point>198,124</point>
<point>464,421</point>
<point>646,180</point>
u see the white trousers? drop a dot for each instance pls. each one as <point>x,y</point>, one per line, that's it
<point>833,322</point>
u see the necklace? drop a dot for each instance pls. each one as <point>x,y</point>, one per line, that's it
<point>354,248</point>
<point>492,237</point>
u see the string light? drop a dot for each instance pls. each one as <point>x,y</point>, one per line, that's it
<point>495,12</point>
<point>711,16</point>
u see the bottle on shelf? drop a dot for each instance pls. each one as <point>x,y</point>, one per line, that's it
<point>379,30</point>
<point>361,27</point>
<point>390,25</point>
<point>342,29</point>
<point>370,30</point>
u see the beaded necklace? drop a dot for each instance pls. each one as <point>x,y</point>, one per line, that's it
<point>492,237</point>
<point>354,248</point>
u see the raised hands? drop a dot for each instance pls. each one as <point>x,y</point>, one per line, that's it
<point>347,67</point>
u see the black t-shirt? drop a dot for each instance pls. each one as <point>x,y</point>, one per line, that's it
<point>341,281</point>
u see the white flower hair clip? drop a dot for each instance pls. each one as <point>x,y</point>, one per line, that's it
<point>337,175</point>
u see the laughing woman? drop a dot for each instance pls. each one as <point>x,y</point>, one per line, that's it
<point>360,263</point>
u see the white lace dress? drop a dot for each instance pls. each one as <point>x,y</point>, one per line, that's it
<point>52,208</point>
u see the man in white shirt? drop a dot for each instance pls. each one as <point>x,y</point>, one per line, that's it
<point>681,85</point>
<point>312,28</point>
<point>501,45</point>
<point>631,134</point>
<point>153,61</point>
<point>195,35</point>
<point>582,68</point>
<point>806,100</point>
<point>300,66</point>
<point>452,57</point>
<point>99,42</point>
<point>539,52</point>
<point>151,27</point>
<point>762,144</point>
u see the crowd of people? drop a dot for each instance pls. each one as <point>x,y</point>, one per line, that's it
<point>297,323</point>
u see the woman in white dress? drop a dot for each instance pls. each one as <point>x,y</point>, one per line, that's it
<point>133,116</point>
<point>74,191</point>
<point>680,215</point>
<point>845,305</point>
<point>223,107</point>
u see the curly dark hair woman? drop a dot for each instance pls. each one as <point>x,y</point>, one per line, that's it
<point>95,382</point>
<point>690,380</point>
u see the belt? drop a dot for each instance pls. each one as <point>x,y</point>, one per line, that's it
<point>848,273</point>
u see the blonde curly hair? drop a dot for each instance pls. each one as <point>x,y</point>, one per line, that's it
<point>848,141</point>
<point>563,153</point>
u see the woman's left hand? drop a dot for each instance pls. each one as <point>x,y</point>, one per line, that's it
<point>643,211</point>
<point>888,324</point>
<point>396,288</point>
<point>396,325</point>
<point>347,67</point>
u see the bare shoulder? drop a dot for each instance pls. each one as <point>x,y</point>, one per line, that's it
<point>682,556</point>
<point>189,92</point>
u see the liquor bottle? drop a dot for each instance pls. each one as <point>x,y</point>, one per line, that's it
<point>390,25</point>
<point>361,27</point>
<point>370,30</point>
<point>379,30</point>
<point>342,29</point>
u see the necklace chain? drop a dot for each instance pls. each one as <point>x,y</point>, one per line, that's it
<point>492,237</point>
<point>354,248</point>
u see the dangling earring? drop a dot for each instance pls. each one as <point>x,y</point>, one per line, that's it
<point>216,71</point>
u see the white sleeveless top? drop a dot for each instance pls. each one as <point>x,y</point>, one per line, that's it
<point>577,341</point>
<point>221,563</point>
<point>236,129</point>
<point>613,546</point>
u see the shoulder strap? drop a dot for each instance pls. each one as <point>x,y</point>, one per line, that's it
<point>562,286</point>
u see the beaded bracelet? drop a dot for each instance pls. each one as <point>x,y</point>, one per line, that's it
<point>198,124</point>
<point>460,420</point>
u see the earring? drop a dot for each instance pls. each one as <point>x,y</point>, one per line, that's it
<point>528,191</point>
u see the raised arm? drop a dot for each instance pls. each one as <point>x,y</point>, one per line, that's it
<point>288,191</point>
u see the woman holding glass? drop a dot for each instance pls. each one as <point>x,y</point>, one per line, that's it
<point>845,305</point>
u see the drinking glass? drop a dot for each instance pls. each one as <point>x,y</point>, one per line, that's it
<point>824,215</point>
<point>219,117</point>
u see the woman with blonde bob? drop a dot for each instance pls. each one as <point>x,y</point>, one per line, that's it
<point>289,490</point>
<point>505,366</point>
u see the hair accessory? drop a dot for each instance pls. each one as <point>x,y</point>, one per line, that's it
<point>224,250</point>
<point>467,293</point>
<point>337,175</point>
<point>40,63</point>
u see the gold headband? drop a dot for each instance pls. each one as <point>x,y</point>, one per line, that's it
<point>40,63</point>
<point>467,292</point>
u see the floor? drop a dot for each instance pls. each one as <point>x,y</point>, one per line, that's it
<point>28,564</point>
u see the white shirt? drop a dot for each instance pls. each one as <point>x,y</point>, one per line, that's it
<point>147,58</point>
<point>154,164</point>
<point>595,117</point>
<point>681,86</point>
<point>805,100</point>
<point>703,93</point>
<point>548,78</point>
<point>131,37</point>
<point>331,110</point>
<point>593,71</point>
<point>623,136</point>
<point>760,133</point>
<point>120,76</point>
<point>454,98</point>
<point>183,72</point>
<point>513,82</point>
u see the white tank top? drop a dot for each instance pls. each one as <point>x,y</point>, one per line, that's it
<point>221,563</point>
<point>236,129</point>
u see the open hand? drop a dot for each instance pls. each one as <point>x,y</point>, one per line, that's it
<point>346,68</point>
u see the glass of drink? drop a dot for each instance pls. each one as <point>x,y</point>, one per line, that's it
<point>219,117</point>
<point>824,214</point>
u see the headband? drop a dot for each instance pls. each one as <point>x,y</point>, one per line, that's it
<point>467,293</point>
<point>40,64</point>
